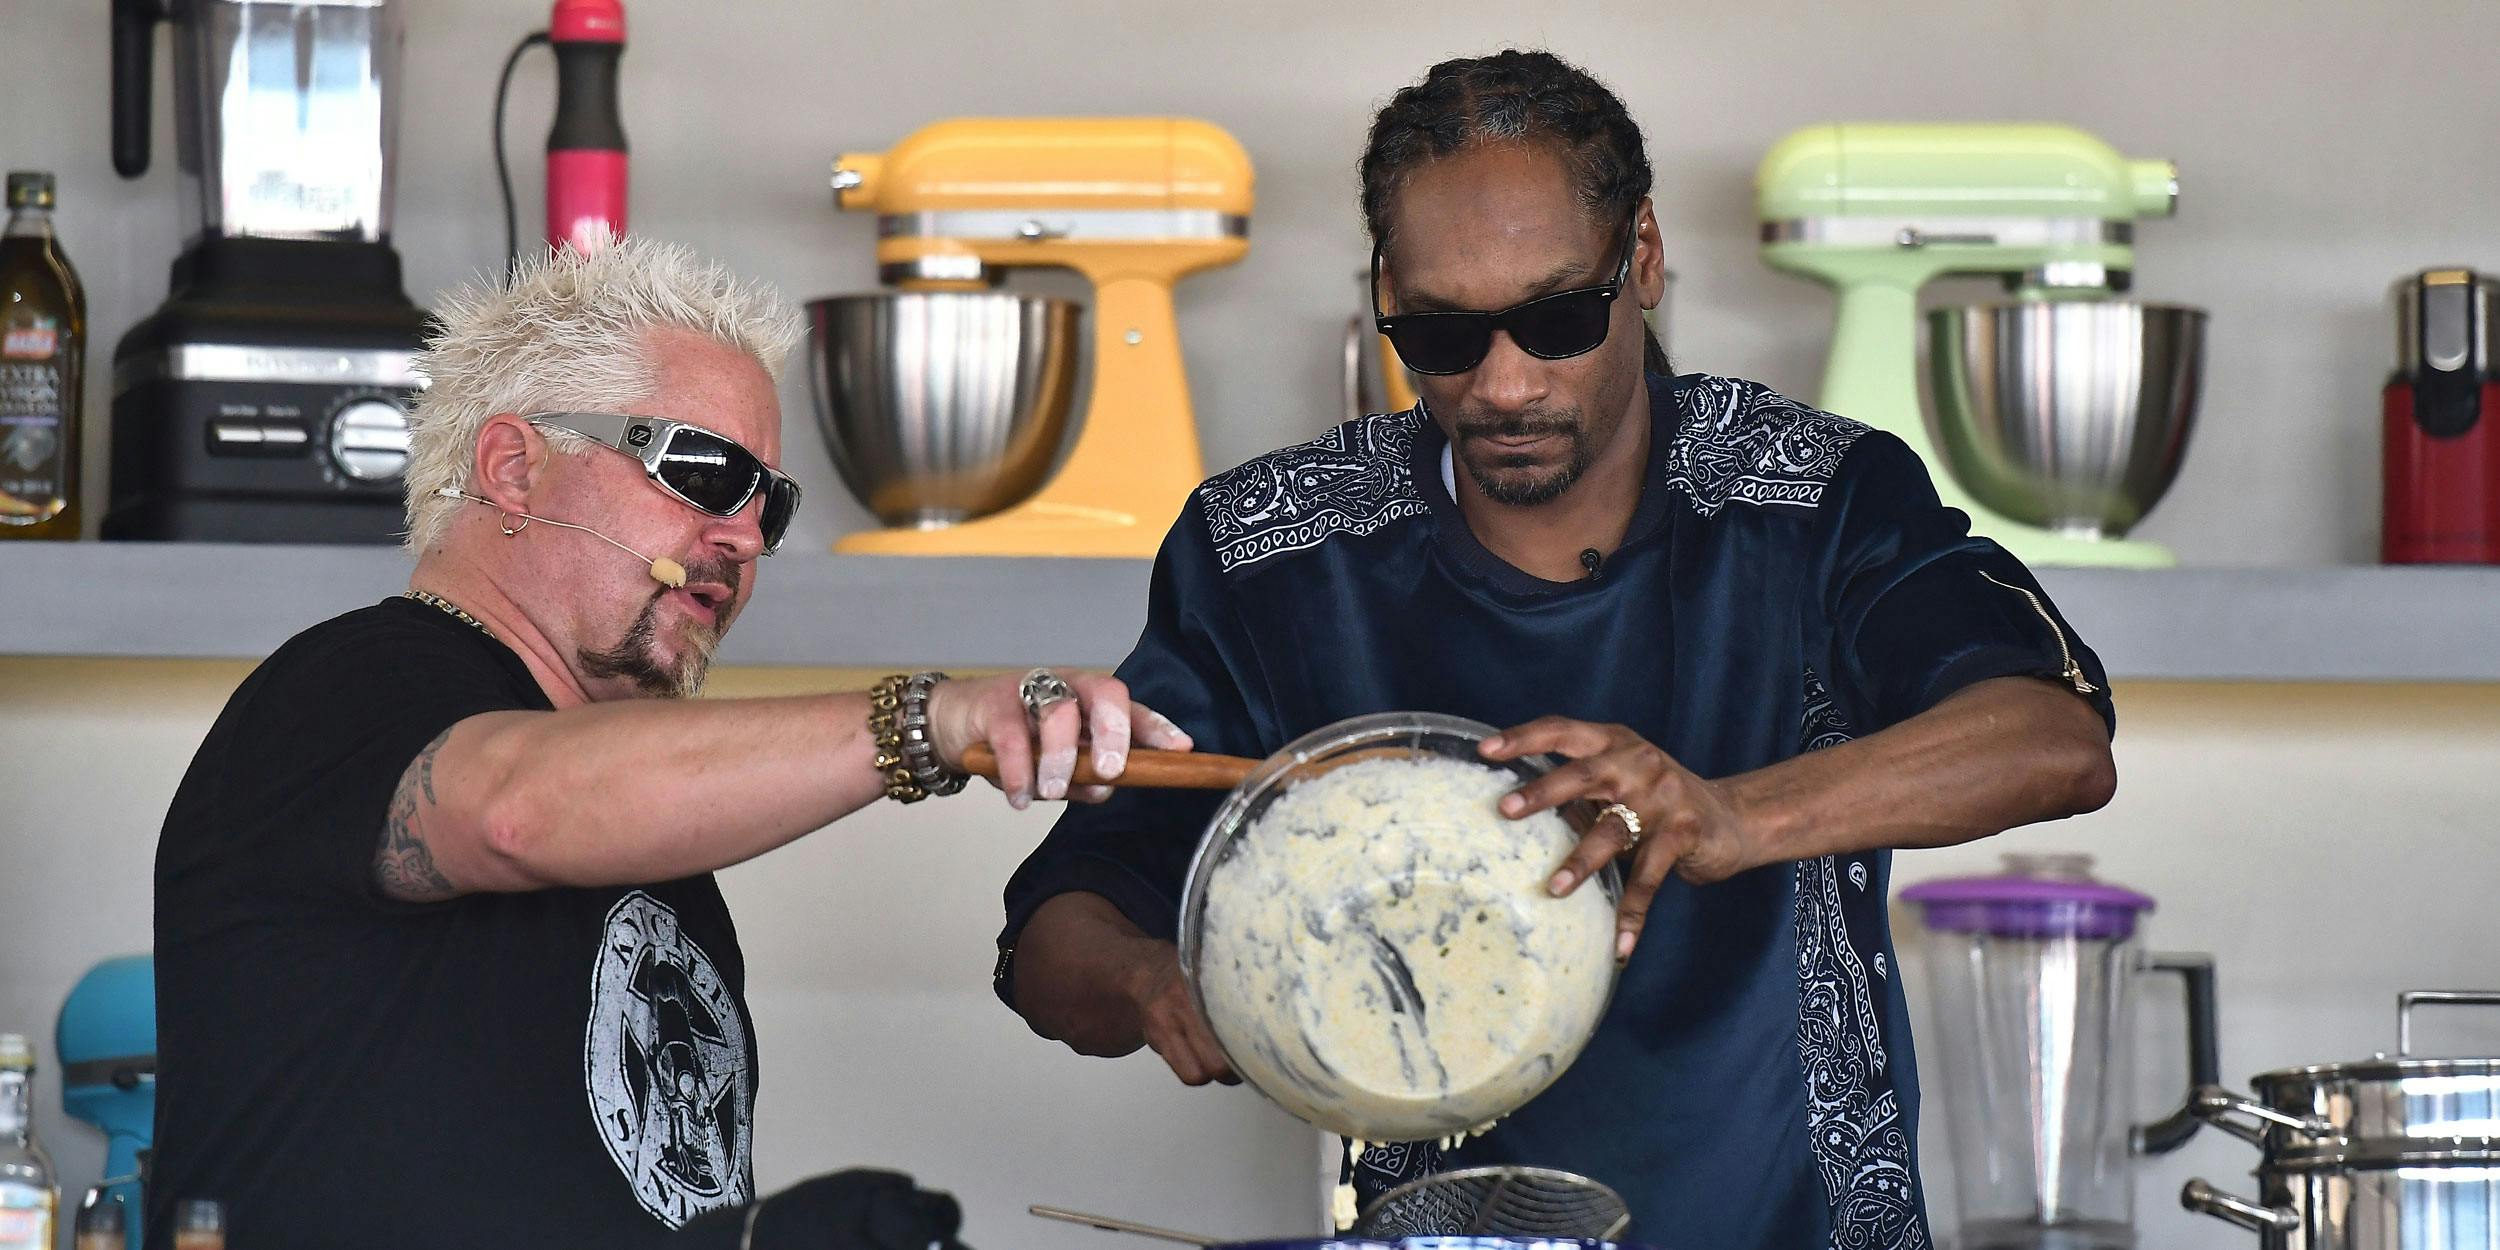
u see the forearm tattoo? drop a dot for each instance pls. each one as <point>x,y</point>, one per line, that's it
<point>404,867</point>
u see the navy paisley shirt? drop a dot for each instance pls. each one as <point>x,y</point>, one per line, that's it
<point>1789,581</point>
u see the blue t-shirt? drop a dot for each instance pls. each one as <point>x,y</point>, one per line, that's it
<point>1789,581</point>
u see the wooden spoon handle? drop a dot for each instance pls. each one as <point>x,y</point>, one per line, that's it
<point>1147,768</point>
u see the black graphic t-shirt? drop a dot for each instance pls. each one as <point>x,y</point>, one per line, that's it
<point>570,1067</point>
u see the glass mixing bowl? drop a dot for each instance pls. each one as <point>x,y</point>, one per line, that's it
<point>1372,942</point>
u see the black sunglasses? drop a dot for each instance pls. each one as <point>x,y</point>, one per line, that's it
<point>700,468</point>
<point>1549,327</point>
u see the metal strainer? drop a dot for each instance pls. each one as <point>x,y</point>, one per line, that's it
<point>1497,1202</point>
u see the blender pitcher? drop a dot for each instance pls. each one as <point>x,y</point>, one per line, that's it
<point>285,112</point>
<point>2033,972</point>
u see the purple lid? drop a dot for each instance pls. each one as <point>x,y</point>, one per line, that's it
<point>2036,897</point>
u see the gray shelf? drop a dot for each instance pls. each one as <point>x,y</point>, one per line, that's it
<point>239,601</point>
<point>198,600</point>
<point>2334,624</point>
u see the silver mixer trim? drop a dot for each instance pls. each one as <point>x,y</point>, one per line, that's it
<point>1149,223</point>
<point>234,362</point>
<point>1951,232</point>
<point>941,267</point>
<point>2073,275</point>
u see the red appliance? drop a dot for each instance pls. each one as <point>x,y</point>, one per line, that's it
<point>586,147</point>
<point>2442,423</point>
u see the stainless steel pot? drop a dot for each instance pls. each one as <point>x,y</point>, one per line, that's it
<point>2372,1155</point>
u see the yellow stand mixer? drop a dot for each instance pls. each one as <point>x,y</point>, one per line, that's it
<point>2062,413</point>
<point>1131,204</point>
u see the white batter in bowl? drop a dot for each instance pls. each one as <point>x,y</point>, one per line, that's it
<point>1372,941</point>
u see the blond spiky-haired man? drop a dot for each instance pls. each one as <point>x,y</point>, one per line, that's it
<point>441,960</point>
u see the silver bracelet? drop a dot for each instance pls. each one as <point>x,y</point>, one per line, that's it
<point>919,752</point>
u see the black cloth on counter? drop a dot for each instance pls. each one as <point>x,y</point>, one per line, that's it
<point>569,1067</point>
<point>859,1209</point>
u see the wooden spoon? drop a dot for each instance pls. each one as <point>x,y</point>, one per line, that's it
<point>1147,768</point>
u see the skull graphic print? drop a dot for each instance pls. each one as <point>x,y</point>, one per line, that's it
<point>666,1066</point>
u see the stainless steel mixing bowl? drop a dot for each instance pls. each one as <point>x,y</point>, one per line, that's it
<point>2071,415</point>
<point>941,406</point>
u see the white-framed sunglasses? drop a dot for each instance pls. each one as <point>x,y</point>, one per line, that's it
<point>700,468</point>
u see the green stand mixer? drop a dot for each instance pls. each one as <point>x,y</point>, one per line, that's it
<point>2062,412</point>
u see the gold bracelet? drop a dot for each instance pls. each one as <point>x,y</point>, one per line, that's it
<point>885,701</point>
<point>907,758</point>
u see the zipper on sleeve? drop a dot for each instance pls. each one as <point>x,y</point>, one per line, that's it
<point>2072,672</point>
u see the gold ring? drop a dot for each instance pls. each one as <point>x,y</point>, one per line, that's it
<point>1631,824</point>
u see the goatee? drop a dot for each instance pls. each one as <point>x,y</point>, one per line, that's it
<point>636,656</point>
<point>1513,480</point>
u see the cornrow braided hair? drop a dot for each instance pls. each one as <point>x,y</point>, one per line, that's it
<point>1512,96</point>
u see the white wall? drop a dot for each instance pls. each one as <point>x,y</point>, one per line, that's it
<point>2331,846</point>
<point>2325,149</point>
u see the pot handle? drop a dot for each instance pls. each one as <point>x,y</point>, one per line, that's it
<point>2204,1199</point>
<point>2409,999</point>
<point>2216,1105</point>
<point>2196,979</point>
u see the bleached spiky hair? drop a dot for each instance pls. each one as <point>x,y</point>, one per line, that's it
<point>565,331</point>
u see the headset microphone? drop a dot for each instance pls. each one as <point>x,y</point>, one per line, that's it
<point>665,571</point>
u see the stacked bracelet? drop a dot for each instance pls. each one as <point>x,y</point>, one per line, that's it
<point>919,745</point>
<point>907,758</point>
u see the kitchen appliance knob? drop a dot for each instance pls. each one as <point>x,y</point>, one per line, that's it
<point>369,440</point>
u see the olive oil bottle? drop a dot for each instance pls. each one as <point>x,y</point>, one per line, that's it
<point>43,343</point>
<point>29,1194</point>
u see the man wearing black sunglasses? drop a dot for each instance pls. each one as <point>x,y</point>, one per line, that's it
<point>440,956</point>
<point>1764,649</point>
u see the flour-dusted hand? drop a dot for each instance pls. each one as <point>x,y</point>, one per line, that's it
<point>1035,723</point>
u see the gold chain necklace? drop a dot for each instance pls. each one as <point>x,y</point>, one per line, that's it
<point>430,599</point>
